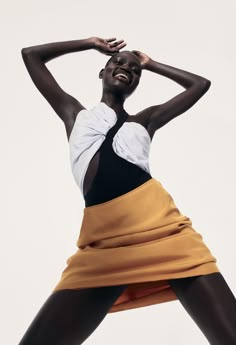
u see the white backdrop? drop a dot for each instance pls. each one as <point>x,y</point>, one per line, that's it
<point>193,156</point>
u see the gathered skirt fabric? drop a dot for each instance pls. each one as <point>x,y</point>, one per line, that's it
<point>141,239</point>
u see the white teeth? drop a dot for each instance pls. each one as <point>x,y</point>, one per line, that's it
<point>123,75</point>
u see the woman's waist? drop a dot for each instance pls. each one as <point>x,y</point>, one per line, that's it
<point>106,188</point>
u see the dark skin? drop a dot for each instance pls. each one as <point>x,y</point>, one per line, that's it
<point>115,91</point>
<point>68,317</point>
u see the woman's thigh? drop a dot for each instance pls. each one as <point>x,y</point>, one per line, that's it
<point>211,304</point>
<point>69,317</point>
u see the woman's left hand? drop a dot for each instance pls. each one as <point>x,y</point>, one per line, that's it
<point>143,58</point>
<point>107,46</point>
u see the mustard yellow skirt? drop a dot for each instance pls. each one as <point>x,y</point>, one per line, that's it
<point>141,239</point>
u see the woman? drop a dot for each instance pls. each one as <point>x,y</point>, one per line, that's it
<point>135,248</point>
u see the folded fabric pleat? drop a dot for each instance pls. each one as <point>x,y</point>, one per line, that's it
<point>141,239</point>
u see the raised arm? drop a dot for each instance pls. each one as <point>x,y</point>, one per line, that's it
<point>35,58</point>
<point>195,85</point>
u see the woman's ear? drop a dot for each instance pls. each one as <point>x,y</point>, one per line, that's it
<point>101,73</point>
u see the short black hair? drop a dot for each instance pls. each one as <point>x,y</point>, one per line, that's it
<point>124,51</point>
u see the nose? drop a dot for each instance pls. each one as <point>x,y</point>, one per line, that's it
<point>126,66</point>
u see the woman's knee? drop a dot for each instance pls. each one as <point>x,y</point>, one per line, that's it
<point>211,304</point>
<point>70,316</point>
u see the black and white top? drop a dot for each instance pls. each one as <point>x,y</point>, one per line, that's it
<point>125,159</point>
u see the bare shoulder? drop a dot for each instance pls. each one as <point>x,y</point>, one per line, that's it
<point>144,118</point>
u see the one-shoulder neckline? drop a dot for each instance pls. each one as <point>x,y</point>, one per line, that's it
<point>127,122</point>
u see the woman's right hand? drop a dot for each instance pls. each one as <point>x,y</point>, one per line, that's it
<point>105,46</point>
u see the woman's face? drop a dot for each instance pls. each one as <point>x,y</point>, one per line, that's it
<point>125,63</point>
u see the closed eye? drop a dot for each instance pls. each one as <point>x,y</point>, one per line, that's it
<point>135,69</point>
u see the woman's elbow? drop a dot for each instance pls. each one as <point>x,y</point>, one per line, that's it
<point>26,54</point>
<point>25,51</point>
<point>203,84</point>
<point>206,84</point>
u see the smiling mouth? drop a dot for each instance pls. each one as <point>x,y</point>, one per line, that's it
<point>123,78</point>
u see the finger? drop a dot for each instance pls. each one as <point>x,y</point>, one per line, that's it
<point>116,49</point>
<point>121,45</point>
<point>110,39</point>
<point>116,43</point>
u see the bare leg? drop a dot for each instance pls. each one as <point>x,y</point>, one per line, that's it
<point>211,304</point>
<point>68,317</point>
